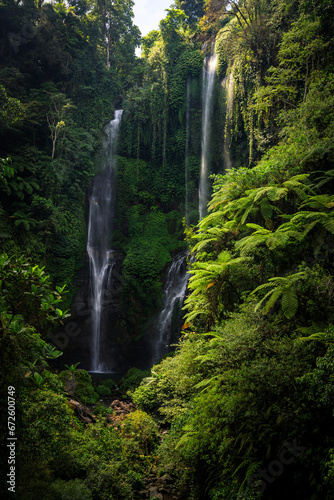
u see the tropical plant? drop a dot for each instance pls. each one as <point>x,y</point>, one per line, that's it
<point>280,287</point>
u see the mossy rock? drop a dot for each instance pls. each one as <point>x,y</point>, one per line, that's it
<point>103,391</point>
<point>110,383</point>
<point>81,385</point>
<point>133,378</point>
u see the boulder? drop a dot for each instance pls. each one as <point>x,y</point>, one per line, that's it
<point>153,492</point>
<point>166,478</point>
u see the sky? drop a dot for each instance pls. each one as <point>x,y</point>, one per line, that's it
<point>148,14</point>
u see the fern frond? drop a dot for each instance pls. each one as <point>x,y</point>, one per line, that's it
<point>277,292</point>
<point>289,302</point>
<point>319,336</point>
<point>276,193</point>
<point>259,304</point>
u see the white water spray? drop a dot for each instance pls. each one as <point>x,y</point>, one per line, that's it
<point>209,73</point>
<point>101,208</point>
<point>175,290</point>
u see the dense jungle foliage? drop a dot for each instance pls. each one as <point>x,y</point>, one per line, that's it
<point>243,409</point>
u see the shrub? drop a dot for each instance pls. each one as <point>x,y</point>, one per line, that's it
<point>84,389</point>
<point>109,383</point>
<point>143,429</point>
<point>102,390</point>
<point>74,490</point>
<point>133,378</point>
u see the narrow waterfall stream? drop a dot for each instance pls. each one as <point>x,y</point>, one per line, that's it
<point>209,73</point>
<point>170,316</point>
<point>228,84</point>
<point>101,208</point>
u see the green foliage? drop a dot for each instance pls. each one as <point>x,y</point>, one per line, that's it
<point>150,178</point>
<point>172,28</point>
<point>103,390</point>
<point>240,384</point>
<point>109,383</point>
<point>172,382</point>
<point>145,430</point>
<point>11,110</point>
<point>189,64</point>
<point>280,287</point>
<point>5,171</point>
<point>72,368</point>
<point>268,234</point>
<point>79,458</point>
<point>144,231</point>
<point>194,9</point>
<point>84,389</point>
<point>48,423</point>
<point>19,281</point>
<point>227,428</point>
<point>210,280</point>
<point>29,310</point>
<point>89,458</point>
<point>71,489</point>
<point>54,69</point>
<point>132,379</point>
<point>320,381</point>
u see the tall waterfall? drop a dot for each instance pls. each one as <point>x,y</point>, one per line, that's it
<point>101,212</point>
<point>186,161</point>
<point>228,84</point>
<point>170,315</point>
<point>209,73</point>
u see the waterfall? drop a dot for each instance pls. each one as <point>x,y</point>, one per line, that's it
<point>186,162</point>
<point>209,73</point>
<point>228,84</point>
<point>170,316</point>
<point>101,208</point>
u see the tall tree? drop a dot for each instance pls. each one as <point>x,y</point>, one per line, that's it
<point>193,8</point>
<point>116,26</point>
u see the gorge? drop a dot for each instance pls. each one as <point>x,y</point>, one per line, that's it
<point>166,264</point>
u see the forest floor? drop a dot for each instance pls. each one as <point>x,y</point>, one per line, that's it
<point>158,484</point>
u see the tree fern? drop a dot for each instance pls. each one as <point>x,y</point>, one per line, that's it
<point>284,287</point>
<point>212,235</point>
<point>211,219</point>
<point>316,332</point>
<point>320,202</point>
<point>326,177</point>
<point>263,199</point>
<point>205,276</point>
<point>272,239</point>
<point>306,220</point>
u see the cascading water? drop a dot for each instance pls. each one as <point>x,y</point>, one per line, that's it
<point>186,162</point>
<point>170,315</point>
<point>209,73</point>
<point>228,84</point>
<point>101,208</point>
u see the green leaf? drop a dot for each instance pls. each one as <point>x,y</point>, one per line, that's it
<point>38,378</point>
<point>289,302</point>
<point>272,301</point>
<point>319,336</point>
